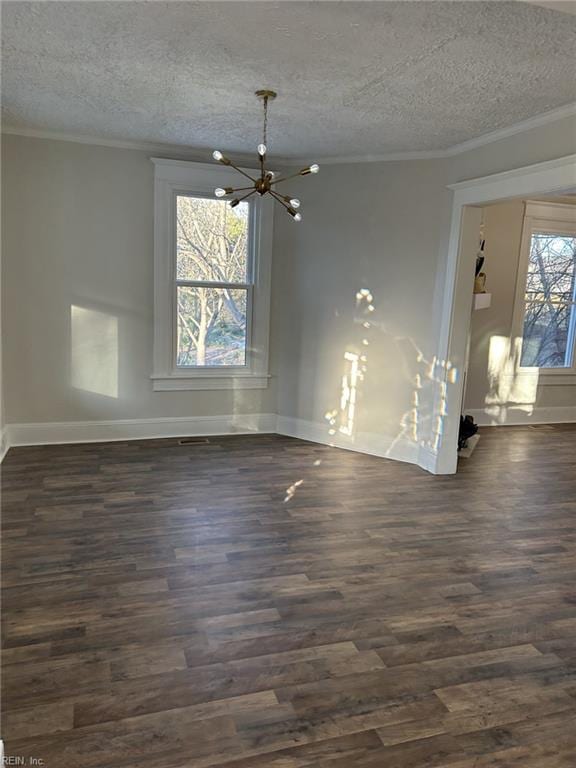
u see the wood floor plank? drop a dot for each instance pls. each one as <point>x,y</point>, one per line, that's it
<point>197,606</point>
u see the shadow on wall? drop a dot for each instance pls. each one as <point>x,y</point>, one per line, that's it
<point>510,388</point>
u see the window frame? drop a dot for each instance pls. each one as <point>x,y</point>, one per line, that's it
<point>174,178</point>
<point>553,218</point>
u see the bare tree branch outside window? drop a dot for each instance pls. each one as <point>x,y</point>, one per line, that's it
<point>212,247</point>
<point>549,317</point>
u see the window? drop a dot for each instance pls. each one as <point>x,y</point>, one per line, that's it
<point>212,282</point>
<point>546,298</point>
<point>549,302</point>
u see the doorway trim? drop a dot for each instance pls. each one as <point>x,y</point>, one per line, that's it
<point>543,178</point>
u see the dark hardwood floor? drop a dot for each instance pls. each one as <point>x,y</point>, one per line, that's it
<point>262,602</point>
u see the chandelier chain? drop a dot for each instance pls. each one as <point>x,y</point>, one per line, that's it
<point>264,135</point>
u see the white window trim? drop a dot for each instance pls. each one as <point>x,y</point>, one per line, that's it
<point>173,177</point>
<point>541,216</point>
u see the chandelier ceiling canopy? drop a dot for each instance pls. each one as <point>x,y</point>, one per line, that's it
<point>266,182</point>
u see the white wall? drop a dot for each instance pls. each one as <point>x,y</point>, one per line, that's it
<point>3,433</point>
<point>385,227</point>
<point>78,223</point>
<point>375,227</point>
<point>78,233</point>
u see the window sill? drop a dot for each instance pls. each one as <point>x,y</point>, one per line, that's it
<point>545,377</point>
<point>183,382</point>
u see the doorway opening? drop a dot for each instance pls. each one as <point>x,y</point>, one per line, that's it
<point>553,182</point>
<point>521,359</point>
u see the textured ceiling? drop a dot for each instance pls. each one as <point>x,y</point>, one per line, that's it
<point>353,78</point>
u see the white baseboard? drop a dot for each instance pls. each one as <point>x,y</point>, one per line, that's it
<point>4,445</point>
<point>399,449</point>
<point>428,459</point>
<point>516,415</point>
<point>384,446</point>
<point>138,429</point>
<point>55,433</point>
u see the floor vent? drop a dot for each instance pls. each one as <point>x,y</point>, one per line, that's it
<point>193,441</point>
<point>544,427</point>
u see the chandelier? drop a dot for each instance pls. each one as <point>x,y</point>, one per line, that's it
<point>266,182</point>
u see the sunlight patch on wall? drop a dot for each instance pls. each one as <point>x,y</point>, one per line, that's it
<point>343,419</point>
<point>94,351</point>
<point>348,397</point>
<point>510,388</point>
<point>423,423</point>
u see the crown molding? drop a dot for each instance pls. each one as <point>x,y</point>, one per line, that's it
<point>545,118</point>
<point>200,155</point>
<point>147,146</point>
<point>564,6</point>
<point>178,151</point>
<point>566,162</point>
<point>552,116</point>
<point>386,157</point>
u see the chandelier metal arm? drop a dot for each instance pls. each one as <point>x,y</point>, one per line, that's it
<point>239,189</point>
<point>244,197</point>
<point>281,200</point>
<point>283,178</point>
<point>262,169</point>
<point>241,171</point>
<point>292,211</point>
<point>287,178</point>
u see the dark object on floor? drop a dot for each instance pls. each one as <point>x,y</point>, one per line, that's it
<point>467,429</point>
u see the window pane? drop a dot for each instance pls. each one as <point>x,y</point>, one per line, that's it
<point>211,326</point>
<point>546,329</point>
<point>551,268</point>
<point>549,297</point>
<point>212,240</point>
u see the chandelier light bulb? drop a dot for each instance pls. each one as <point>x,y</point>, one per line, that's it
<point>294,202</point>
<point>219,192</point>
<point>314,168</point>
<point>217,155</point>
<point>262,150</point>
<point>297,217</point>
<point>270,174</point>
